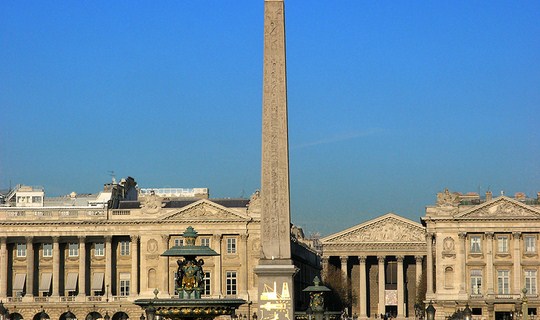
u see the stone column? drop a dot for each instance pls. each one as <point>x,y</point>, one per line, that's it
<point>3,267</point>
<point>82,268</point>
<point>134,280</point>
<point>418,260</point>
<point>244,266</point>
<point>343,260</point>
<point>56,266</point>
<point>29,267</point>
<point>382,295</point>
<point>108,265</point>
<point>517,263</point>
<point>491,310</point>
<point>429,265</point>
<point>363,288</point>
<point>462,238</point>
<point>165,265</point>
<point>400,288</point>
<point>489,263</point>
<point>324,265</point>
<point>218,273</point>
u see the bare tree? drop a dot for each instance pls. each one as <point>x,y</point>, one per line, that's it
<point>421,289</point>
<point>340,297</point>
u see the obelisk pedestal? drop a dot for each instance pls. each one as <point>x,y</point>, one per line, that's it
<point>275,270</point>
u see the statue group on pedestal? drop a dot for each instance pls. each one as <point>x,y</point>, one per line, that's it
<point>190,278</point>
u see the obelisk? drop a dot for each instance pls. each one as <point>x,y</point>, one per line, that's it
<point>275,270</point>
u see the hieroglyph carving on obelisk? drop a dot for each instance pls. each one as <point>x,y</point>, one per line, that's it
<point>275,214</point>
<point>275,270</point>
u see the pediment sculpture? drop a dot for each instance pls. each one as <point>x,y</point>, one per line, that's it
<point>447,199</point>
<point>388,230</point>
<point>255,202</point>
<point>204,211</point>
<point>151,204</point>
<point>503,208</point>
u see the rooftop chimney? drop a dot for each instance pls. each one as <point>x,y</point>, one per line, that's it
<point>489,195</point>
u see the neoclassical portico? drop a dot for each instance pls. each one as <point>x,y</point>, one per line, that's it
<point>382,259</point>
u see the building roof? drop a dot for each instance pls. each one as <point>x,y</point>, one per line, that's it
<point>229,203</point>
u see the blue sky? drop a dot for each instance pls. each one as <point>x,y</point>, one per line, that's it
<point>389,102</point>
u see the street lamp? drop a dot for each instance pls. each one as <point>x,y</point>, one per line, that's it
<point>4,313</point>
<point>69,315</point>
<point>309,313</point>
<point>430,311</point>
<point>467,312</point>
<point>43,315</point>
<point>107,316</point>
<point>254,316</point>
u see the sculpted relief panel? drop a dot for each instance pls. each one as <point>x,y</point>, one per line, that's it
<point>205,211</point>
<point>387,230</point>
<point>503,208</point>
<point>151,203</point>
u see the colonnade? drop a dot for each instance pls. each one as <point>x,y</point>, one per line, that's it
<point>364,298</point>
<point>33,268</point>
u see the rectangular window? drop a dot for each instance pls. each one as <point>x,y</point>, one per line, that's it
<point>99,249</point>
<point>530,281</point>
<point>178,242</point>
<point>47,250</point>
<point>124,248</point>
<point>231,245</point>
<point>503,281</point>
<point>476,281</point>
<point>21,250</point>
<point>36,199</point>
<point>476,244</point>
<point>502,244</point>
<point>207,284</point>
<point>530,244</point>
<point>124,284</point>
<point>73,249</point>
<point>230,277</point>
<point>205,242</point>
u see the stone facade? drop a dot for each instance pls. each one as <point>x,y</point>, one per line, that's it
<point>384,248</point>
<point>468,250</point>
<point>485,252</point>
<point>95,261</point>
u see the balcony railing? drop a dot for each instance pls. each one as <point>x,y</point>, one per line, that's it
<point>68,299</point>
<point>94,298</point>
<point>54,213</point>
<point>41,299</point>
<point>121,212</point>
<point>507,296</point>
<point>120,298</point>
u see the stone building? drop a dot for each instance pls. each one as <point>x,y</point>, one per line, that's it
<point>484,253</point>
<point>467,250</point>
<point>381,261</point>
<point>94,254</point>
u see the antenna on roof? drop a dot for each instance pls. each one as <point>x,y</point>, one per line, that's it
<point>113,176</point>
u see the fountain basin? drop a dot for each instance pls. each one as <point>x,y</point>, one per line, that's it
<point>188,308</point>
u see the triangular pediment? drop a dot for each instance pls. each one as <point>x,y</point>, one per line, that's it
<point>387,228</point>
<point>501,208</point>
<point>205,210</point>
